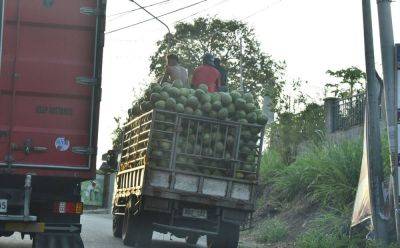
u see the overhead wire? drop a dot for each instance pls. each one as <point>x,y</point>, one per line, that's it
<point>124,13</point>
<point>198,12</point>
<point>261,10</point>
<point>133,10</point>
<point>150,19</point>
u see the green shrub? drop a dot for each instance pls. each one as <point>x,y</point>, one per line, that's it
<point>329,230</point>
<point>272,231</point>
<point>328,174</point>
<point>271,165</point>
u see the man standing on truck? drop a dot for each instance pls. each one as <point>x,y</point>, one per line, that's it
<point>224,75</point>
<point>207,74</point>
<point>174,71</point>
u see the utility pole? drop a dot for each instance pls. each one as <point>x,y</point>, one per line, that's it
<point>388,59</point>
<point>375,167</point>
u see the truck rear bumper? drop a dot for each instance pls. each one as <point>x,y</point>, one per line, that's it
<point>39,227</point>
<point>176,229</point>
<point>19,218</point>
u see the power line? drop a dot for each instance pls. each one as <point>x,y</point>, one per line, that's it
<point>262,10</point>
<point>133,10</point>
<point>198,12</point>
<point>150,19</point>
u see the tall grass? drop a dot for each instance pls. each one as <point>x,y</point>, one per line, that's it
<point>271,165</point>
<point>327,174</point>
<point>328,230</point>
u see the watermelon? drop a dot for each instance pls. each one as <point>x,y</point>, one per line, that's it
<point>226,99</point>
<point>206,98</point>
<point>250,107</point>
<point>182,100</point>
<point>155,97</point>
<point>223,114</point>
<point>251,117</point>
<point>240,115</point>
<point>230,140</point>
<point>207,107</point>
<point>248,97</point>
<point>157,89</point>
<point>166,84</point>
<point>165,145</point>
<point>198,112</point>
<point>243,121</point>
<point>157,154</point>
<point>262,120</point>
<point>164,96</point>
<point>177,84</point>
<point>206,139</point>
<point>239,175</point>
<point>231,108</point>
<point>180,108</point>
<point>213,114</point>
<point>203,87</point>
<point>240,104</point>
<point>174,92</point>
<point>217,105</point>
<point>235,95</point>
<point>199,93</point>
<point>171,104</point>
<point>185,92</point>
<point>193,102</point>
<point>246,134</point>
<point>219,147</point>
<point>215,97</point>
<point>160,104</point>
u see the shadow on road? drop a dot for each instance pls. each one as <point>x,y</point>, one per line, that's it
<point>155,244</point>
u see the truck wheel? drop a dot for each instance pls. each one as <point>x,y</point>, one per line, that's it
<point>128,232</point>
<point>117,225</point>
<point>192,239</point>
<point>145,233</point>
<point>228,237</point>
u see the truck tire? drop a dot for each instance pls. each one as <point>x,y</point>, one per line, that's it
<point>57,240</point>
<point>228,237</point>
<point>145,233</point>
<point>128,232</point>
<point>192,239</point>
<point>117,225</point>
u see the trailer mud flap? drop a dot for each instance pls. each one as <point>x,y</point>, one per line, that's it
<point>58,240</point>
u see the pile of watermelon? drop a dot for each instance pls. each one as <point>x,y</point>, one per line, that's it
<point>234,105</point>
<point>203,149</point>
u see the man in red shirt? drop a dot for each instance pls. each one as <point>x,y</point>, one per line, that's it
<point>207,74</point>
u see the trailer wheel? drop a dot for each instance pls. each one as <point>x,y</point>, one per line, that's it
<point>117,225</point>
<point>145,233</point>
<point>57,240</point>
<point>192,239</point>
<point>228,237</point>
<point>128,232</point>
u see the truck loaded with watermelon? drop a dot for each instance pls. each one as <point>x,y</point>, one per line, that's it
<point>189,165</point>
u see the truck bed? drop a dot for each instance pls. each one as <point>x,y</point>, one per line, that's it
<point>159,160</point>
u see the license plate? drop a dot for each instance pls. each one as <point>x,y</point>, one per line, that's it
<point>3,206</point>
<point>194,213</point>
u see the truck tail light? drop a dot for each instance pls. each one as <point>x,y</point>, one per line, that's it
<point>68,207</point>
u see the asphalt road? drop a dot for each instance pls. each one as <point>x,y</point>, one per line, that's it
<point>96,233</point>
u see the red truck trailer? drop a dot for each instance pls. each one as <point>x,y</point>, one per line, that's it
<point>50,90</point>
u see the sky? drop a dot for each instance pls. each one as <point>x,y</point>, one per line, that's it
<point>311,36</point>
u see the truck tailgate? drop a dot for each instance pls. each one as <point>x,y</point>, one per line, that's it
<point>47,120</point>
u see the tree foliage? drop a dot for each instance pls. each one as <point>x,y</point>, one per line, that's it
<point>222,38</point>
<point>352,80</point>
<point>292,130</point>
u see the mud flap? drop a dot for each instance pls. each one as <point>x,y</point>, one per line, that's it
<point>57,240</point>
